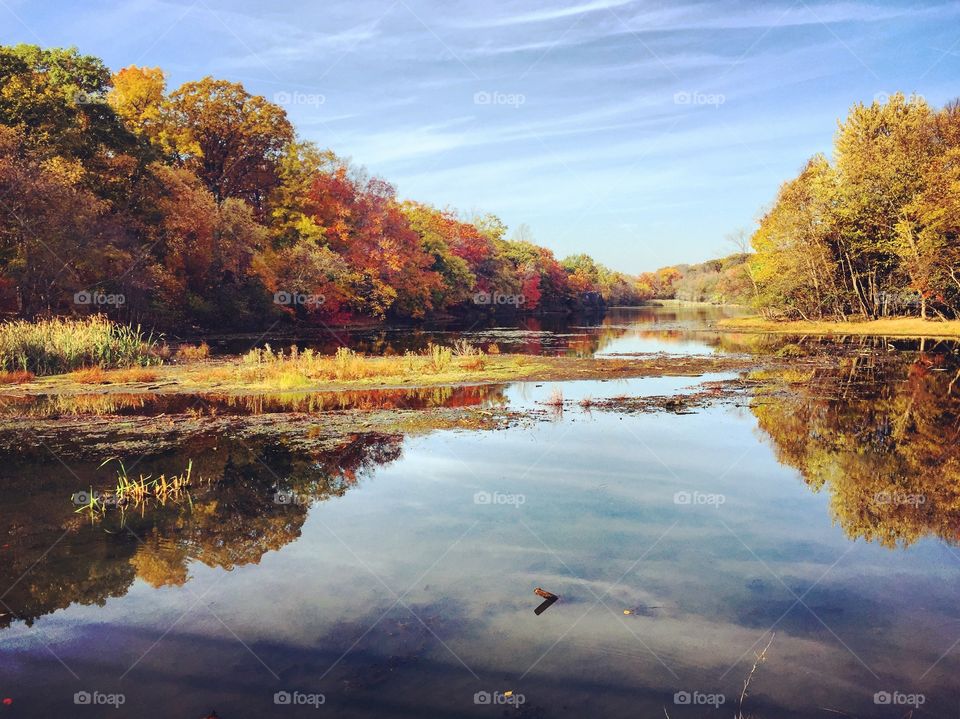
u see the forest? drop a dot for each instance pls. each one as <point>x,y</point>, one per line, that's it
<point>876,231</point>
<point>200,206</point>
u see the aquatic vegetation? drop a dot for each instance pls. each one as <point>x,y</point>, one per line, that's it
<point>295,368</point>
<point>462,348</point>
<point>133,374</point>
<point>193,352</point>
<point>130,492</point>
<point>440,357</point>
<point>474,362</point>
<point>89,375</point>
<point>16,377</point>
<point>60,345</point>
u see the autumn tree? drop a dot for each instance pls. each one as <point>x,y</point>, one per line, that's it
<point>138,98</point>
<point>230,139</point>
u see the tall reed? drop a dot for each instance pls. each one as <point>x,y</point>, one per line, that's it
<point>58,345</point>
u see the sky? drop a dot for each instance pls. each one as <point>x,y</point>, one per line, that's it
<point>641,133</point>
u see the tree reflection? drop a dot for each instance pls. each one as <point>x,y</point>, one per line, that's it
<point>57,557</point>
<point>879,432</point>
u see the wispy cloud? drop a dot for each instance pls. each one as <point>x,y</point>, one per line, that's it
<point>600,144</point>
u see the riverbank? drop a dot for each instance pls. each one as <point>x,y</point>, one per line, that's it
<point>890,327</point>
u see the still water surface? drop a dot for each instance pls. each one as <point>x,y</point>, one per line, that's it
<point>396,577</point>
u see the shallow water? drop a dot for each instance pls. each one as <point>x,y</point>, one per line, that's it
<point>395,575</point>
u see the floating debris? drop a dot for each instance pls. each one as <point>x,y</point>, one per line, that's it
<point>548,597</point>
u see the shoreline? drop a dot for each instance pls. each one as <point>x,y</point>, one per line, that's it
<point>909,327</point>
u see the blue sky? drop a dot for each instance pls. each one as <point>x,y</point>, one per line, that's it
<point>639,132</point>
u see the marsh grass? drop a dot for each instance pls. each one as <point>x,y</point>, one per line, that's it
<point>887,327</point>
<point>137,493</point>
<point>55,346</point>
<point>193,353</point>
<point>16,377</point>
<point>556,398</point>
<point>295,368</point>
<point>133,374</point>
<point>89,375</point>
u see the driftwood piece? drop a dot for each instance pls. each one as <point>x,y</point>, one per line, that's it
<point>545,594</point>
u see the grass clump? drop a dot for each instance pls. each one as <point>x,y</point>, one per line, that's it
<point>89,375</point>
<point>16,377</point>
<point>59,345</point>
<point>193,353</point>
<point>130,492</point>
<point>133,374</point>
<point>556,398</point>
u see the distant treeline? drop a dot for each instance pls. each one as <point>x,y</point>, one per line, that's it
<point>722,281</point>
<point>875,232</point>
<point>201,206</point>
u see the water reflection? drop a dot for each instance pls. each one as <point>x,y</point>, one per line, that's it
<point>202,404</point>
<point>880,434</point>
<point>231,519</point>
<point>674,329</point>
<point>370,572</point>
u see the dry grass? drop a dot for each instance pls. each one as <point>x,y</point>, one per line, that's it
<point>474,364</point>
<point>556,398</point>
<point>89,375</point>
<point>891,327</point>
<point>133,374</point>
<point>192,353</point>
<point>97,375</point>
<point>16,377</point>
<point>295,368</point>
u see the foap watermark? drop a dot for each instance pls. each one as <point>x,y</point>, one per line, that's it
<point>898,698</point>
<point>99,699</point>
<point>98,298</point>
<point>87,498</point>
<point>500,498</point>
<point>899,498</point>
<point>882,98</point>
<point>310,99</point>
<point>87,98</point>
<point>289,497</point>
<point>297,298</point>
<point>699,498</point>
<point>509,99</point>
<point>499,698</point>
<point>685,97</point>
<point>498,298</point>
<point>299,699</point>
<point>696,698</point>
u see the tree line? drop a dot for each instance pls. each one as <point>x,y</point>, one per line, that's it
<point>876,231</point>
<point>201,205</point>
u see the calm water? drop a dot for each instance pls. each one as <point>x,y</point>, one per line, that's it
<point>396,576</point>
<point>677,329</point>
